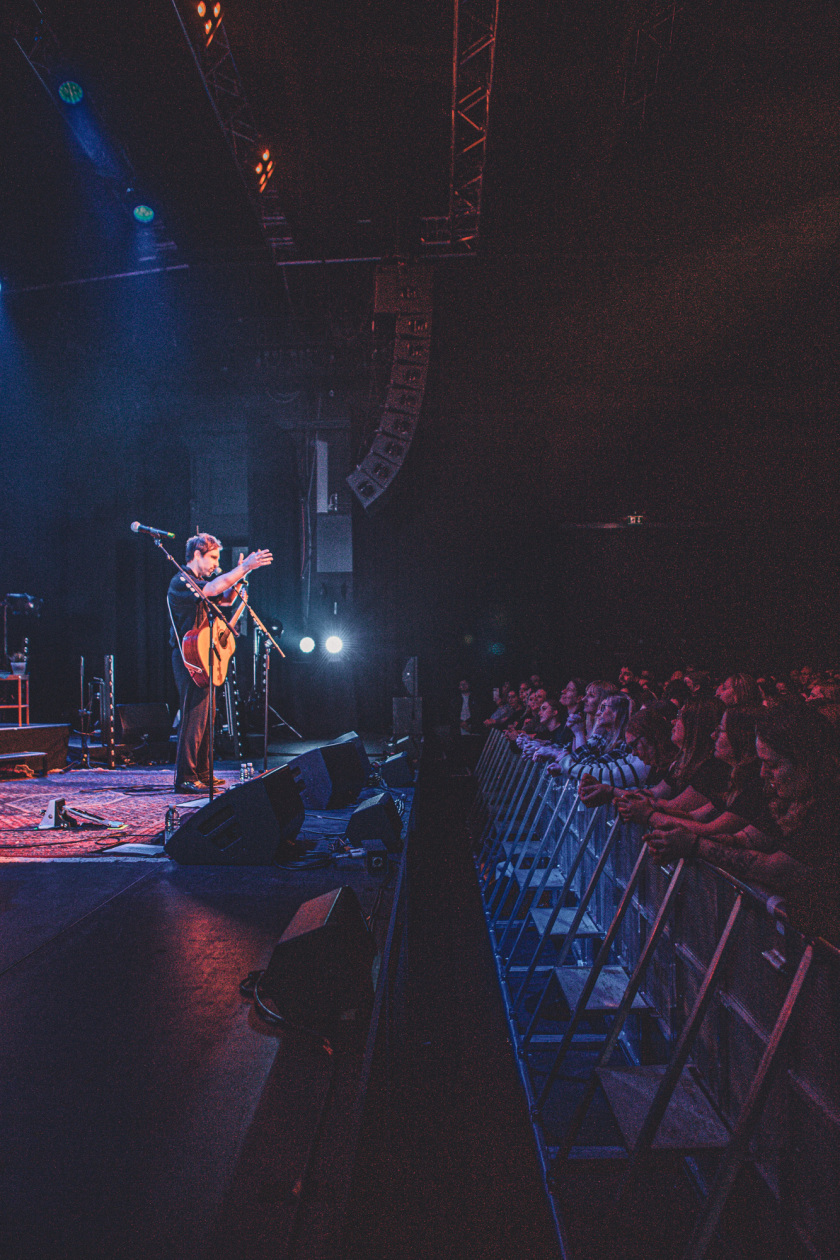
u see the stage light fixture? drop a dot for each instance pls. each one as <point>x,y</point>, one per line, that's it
<point>143,214</point>
<point>307,644</point>
<point>212,22</point>
<point>70,92</point>
<point>264,168</point>
<point>333,644</point>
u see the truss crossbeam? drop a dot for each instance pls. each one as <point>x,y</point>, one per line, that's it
<point>473,57</point>
<point>224,87</point>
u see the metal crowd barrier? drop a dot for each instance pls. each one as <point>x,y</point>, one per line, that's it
<point>687,993</point>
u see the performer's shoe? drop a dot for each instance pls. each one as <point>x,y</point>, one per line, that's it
<point>191,788</point>
<point>217,783</point>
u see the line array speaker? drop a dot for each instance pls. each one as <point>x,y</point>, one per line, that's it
<point>404,290</point>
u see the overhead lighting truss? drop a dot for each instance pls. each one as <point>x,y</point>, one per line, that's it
<point>39,45</point>
<point>652,41</point>
<point>473,57</point>
<point>204,28</point>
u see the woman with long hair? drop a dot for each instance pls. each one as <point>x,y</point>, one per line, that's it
<point>648,737</point>
<point>695,776</point>
<point>800,766</point>
<point>581,722</point>
<point>605,757</point>
<point>739,690</point>
<point>740,807</point>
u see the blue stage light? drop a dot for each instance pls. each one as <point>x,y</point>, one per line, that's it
<point>333,644</point>
<point>70,92</point>
<point>144,214</point>
<point>307,644</point>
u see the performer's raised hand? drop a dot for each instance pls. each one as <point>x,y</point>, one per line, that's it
<point>256,560</point>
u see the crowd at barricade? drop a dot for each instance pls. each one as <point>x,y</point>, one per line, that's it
<point>744,773</point>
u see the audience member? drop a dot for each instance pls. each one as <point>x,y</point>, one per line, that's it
<point>605,757</point>
<point>739,689</point>
<point>582,723</point>
<point>798,751</point>
<point>648,737</point>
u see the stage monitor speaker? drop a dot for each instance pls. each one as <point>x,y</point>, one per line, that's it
<point>313,779</point>
<point>348,767</point>
<point>396,771</point>
<point>376,819</point>
<point>253,824</point>
<point>321,966</point>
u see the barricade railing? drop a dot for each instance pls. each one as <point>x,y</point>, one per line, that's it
<point>601,951</point>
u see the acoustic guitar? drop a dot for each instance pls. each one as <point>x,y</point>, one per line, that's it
<point>195,647</point>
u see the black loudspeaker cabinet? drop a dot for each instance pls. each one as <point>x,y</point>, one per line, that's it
<point>376,819</point>
<point>253,824</point>
<point>321,966</point>
<point>313,779</point>
<point>396,771</point>
<point>137,722</point>
<point>348,767</point>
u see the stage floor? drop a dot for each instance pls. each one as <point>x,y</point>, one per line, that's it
<point>144,1110</point>
<point>134,798</point>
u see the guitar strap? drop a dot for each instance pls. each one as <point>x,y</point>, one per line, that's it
<point>189,668</point>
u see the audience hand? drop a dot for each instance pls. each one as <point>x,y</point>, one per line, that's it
<point>666,846</point>
<point>635,807</point>
<point>594,793</point>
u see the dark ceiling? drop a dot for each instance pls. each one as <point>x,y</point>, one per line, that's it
<point>354,99</point>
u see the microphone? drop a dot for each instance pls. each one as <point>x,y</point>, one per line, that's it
<point>137,528</point>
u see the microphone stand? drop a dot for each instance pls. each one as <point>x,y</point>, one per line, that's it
<point>212,613</point>
<point>269,640</point>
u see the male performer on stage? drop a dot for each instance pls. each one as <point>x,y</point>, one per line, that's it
<point>192,762</point>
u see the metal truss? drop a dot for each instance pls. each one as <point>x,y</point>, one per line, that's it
<point>224,87</point>
<point>652,41</point>
<point>473,57</point>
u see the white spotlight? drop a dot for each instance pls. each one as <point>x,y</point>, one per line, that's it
<point>333,644</point>
<point>307,644</point>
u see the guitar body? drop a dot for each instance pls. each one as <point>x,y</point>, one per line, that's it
<point>197,652</point>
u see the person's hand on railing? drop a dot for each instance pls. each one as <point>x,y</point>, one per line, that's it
<point>667,846</point>
<point>593,793</point>
<point>635,807</point>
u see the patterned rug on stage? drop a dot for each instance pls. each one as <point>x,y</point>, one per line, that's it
<point>134,801</point>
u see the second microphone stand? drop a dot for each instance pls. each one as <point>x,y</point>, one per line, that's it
<point>269,640</point>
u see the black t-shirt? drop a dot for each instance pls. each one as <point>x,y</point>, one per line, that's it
<point>711,779</point>
<point>750,801</point>
<point>182,605</point>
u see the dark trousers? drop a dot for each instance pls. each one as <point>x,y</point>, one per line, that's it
<point>192,760</point>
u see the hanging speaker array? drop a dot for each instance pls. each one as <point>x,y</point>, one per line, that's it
<point>404,290</point>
